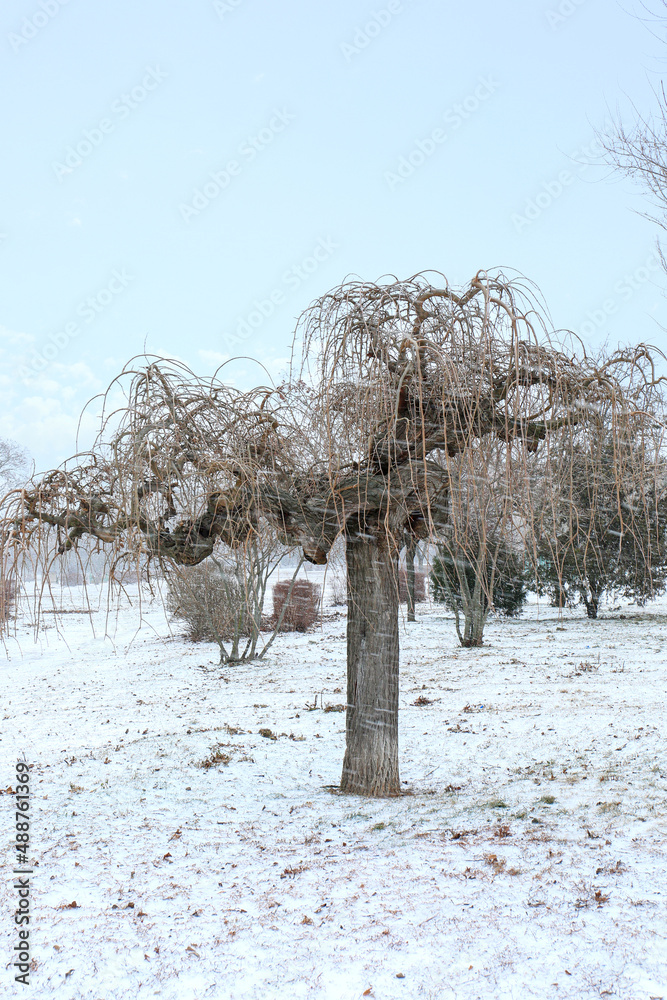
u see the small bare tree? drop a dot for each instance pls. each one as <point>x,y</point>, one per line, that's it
<point>394,379</point>
<point>639,149</point>
<point>14,471</point>
<point>14,465</point>
<point>484,542</point>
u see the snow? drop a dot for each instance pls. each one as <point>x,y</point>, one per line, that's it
<point>527,860</point>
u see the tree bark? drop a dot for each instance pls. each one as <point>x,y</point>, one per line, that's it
<point>475,615</point>
<point>370,766</point>
<point>592,599</point>
<point>592,607</point>
<point>473,604</point>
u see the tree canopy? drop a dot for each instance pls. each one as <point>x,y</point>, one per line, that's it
<point>394,377</point>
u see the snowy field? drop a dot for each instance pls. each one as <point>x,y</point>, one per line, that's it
<point>526,859</point>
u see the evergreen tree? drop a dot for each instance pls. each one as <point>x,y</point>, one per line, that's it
<point>473,587</point>
<point>608,530</point>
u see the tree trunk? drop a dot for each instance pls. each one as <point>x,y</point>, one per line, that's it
<point>475,619</point>
<point>475,609</point>
<point>559,596</point>
<point>592,599</point>
<point>591,607</point>
<point>410,550</point>
<point>370,766</point>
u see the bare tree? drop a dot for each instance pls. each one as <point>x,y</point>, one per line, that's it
<point>639,149</point>
<point>14,471</point>
<point>484,541</point>
<point>393,378</point>
<point>14,464</point>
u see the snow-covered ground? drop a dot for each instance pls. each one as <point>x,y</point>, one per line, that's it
<point>527,858</point>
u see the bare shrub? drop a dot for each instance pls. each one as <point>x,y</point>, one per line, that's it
<point>210,602</point>
<point>299,609</point>
<point>221,600</point>
<point>338,590</point>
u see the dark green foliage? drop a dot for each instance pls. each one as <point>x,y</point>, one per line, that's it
<point>610,537</point>
<point>498,582</point>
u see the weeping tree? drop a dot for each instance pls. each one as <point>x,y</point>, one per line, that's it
<point>389,380</point>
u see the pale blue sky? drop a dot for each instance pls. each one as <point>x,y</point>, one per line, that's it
<point>305,111</point>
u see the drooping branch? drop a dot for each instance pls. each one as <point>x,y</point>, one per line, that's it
<point>396,379</point>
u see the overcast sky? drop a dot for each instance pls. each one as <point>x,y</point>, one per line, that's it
<point>185,177</point>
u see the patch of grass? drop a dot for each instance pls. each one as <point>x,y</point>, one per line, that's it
<point>548,799</point>
<point>585,668</point>
<point>232,730</point>
<point>291,872</point>
<point>268,734</point>
<point>215,757</point>
<point>379,826</point>
<point>218,755</point>
<point>497,864</point>
<point>591,897</point>
<point>495,804</point>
